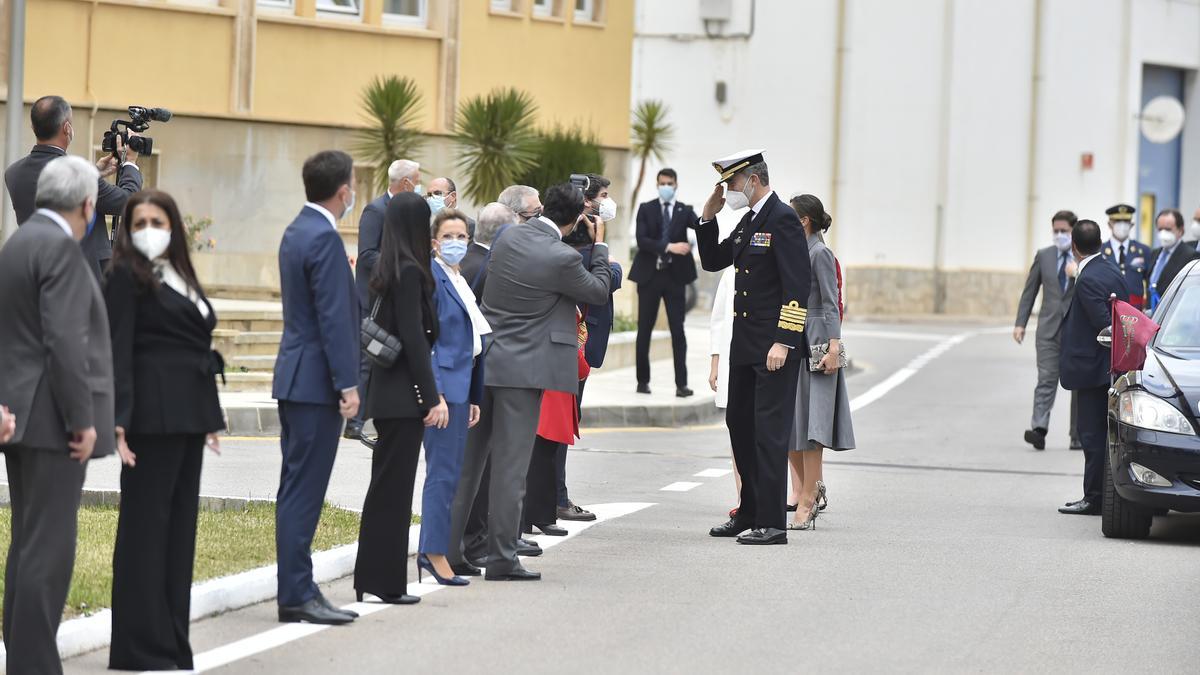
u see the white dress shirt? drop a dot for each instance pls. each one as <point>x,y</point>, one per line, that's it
<point>58,219</point>
<point>323,211</point>
<point>1083,263</point>
<point>479,323</point>
<point>168,275</point>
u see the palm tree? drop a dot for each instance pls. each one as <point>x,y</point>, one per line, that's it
<point>651,137</point>
<point>497,141</point>
<point>562,151</point>
<point>391,106</point>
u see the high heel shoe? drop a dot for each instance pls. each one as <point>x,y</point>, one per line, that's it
<point>389,598</point>
<point>821,498</point>
<point>425,564</point>
<point>810,523</point>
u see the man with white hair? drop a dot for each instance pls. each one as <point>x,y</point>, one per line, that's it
<point>56,358</point>
<point>493,218</point>
<point>404,175</point>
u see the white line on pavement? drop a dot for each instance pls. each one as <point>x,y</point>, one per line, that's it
<point>894,335</point>
<point>900,376</point>
<point>281,635</point>
<point>713,473</point>
<point>681,486</point>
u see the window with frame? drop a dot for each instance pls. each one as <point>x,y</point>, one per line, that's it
<point>277,4</point>
<point>348,7</point>
<point>503,6</point>
<point>585,10</point>
<point>405,11</point>
<point>543,7</point>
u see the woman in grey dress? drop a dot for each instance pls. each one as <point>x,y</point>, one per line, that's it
<point>822,404</point>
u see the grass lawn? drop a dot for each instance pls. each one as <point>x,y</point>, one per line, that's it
<point>226,542</point>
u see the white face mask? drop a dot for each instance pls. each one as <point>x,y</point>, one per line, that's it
<point>608,209</point>
<point>739,199</point>
<point>349,206</point>
<point>152,241</point>
<point>1167,238</point>
<point>1120,231</point>
<point>1062,241</point>
<point>1194,229</point>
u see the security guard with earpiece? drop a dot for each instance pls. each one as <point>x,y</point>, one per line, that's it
<point>1129,255</point>
<point>770,253</point>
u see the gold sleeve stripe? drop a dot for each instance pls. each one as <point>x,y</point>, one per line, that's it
<point>788,325</point>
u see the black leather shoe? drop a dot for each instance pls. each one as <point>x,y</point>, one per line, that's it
<point>368,441</point>
<point>390,599</point>
<point>1082,507</point>
<point>313,611</point>
<point>1075,444</point>
<point>762,536</point>
<point>516,574</point>
<point>683,392</point>
<point>552,530</point>
<point>525,550</point>
<point>730,529</point>
<point>1036,438</point>
<point>643,389</point>
<point>477,562</point>
<point>353,432</point>
<point>325,601</point>
<point>466,570</point>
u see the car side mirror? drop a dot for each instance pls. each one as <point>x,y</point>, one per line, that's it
<point>1105,337</point>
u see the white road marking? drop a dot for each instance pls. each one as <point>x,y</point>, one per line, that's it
<point>894,335</point>
<point>713,473</point>
<point>281,635</point>
<point>900,376</point>
<point>681,486</point>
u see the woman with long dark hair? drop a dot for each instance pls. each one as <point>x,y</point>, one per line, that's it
<point>167,410</point>
<point>822,403</point>
<point>402,399</point>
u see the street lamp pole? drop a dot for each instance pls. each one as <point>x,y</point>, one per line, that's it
<point>15,108</point>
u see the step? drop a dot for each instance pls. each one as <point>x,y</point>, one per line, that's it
<point>233,343</point>
<point>253,364</point>
<point>246,382</point>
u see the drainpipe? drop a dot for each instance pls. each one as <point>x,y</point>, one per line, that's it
<point>1122,103</point>
<point>16,104</point>
<point>939,235</point>
<point>87,87</point>
<point>839,71</point>
<point>1035,90</point>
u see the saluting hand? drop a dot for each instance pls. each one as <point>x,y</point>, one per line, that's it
<point>716,202</point>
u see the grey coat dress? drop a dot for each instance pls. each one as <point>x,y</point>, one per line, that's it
<point>822,404</point>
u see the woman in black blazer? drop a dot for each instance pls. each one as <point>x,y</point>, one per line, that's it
<point>402,399</point>
<point>167,410</point>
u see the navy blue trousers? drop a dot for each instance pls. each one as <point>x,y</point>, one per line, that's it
<point>309,440</point>
<point>443,466</point>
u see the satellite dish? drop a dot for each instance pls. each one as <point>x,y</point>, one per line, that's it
<point>1162,119</point>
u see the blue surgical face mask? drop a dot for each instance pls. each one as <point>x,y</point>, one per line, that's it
<point>452,250</point>
<point>666,192</point>
<point>436,203</point>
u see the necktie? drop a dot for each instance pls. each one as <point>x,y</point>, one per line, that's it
<point>1062,271</point>
<point>741,227</point>
<point>666,228</point>
<point>1122,260</point>
<point>1158,267</point>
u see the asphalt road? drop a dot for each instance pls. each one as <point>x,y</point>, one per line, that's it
<point>941,551</point>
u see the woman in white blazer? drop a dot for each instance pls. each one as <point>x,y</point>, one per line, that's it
<point>720,332</point>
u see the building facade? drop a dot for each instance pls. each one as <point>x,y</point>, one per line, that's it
<point>940,134</point>
<point>258,85</point>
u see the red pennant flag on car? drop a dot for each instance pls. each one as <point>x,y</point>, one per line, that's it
<point>1131,332</point>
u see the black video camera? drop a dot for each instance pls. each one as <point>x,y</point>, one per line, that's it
<point>581,181</point>
<point>139,121</point>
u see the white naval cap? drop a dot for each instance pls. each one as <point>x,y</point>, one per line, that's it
<point>729,166</point>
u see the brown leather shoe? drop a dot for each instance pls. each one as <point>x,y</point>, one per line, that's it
<point>572,512</point>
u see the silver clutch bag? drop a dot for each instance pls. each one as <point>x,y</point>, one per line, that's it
<point>818,352</point>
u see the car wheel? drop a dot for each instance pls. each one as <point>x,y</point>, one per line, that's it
<point>1121,518</point>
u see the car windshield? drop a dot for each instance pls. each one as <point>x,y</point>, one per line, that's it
<point>1180,332</point>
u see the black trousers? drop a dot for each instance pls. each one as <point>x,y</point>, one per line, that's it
<point>44,488</point>
<point>1093,435</point>
<point>760,413</point>
<point>560,455</point>
<point>155,552</point>
<point>541,485</point>
<point>475,537</point>
<point>661,288</point>
<point>382,564</point>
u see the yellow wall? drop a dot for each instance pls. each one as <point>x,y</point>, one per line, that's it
<point>548,59</point>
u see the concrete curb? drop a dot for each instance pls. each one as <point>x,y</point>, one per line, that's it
<point>209,598</point>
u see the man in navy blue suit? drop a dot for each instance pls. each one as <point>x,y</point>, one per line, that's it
<point>404,175</point>
<point>316,376</point>
<point>1083,363</point>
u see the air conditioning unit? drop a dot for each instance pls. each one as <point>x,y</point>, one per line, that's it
<point>716,10</point>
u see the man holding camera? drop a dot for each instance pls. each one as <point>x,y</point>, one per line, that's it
<point>54,129</point>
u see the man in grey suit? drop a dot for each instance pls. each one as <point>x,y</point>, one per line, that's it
<point>1053,272</point>
<point>56,358</point>
<point>534,282</point>
<point>54,129</point>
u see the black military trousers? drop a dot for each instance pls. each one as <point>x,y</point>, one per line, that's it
<point>762,406</point>
<point>1093,435</point>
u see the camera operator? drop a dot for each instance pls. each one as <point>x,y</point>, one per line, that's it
<point>54,129</point>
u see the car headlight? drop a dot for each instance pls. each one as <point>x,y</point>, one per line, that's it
<point>1144,410</point>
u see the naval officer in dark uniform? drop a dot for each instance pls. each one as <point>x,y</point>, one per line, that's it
<point>1131,256</point>
<point>770,254</point>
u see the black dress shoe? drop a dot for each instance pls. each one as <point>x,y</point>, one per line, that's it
<point>643,389</point>
<point>1075,444</point>
<point>368,441</point>
<point>730,529</point>
<point>762,536</point>
<point>515,574</point>
<point>325,601</point>
<point>552,530</point>
<point>390,598</point>
<point>313,611</point>
<point>1036,438</point>
<point>466,569</point>
<point>477,562</point>
<point>1082,507</point>
<point>527,551</point>
<point>353,432</point>
<point>683,392</point>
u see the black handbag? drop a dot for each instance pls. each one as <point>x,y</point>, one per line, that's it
<point>381,347</point>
